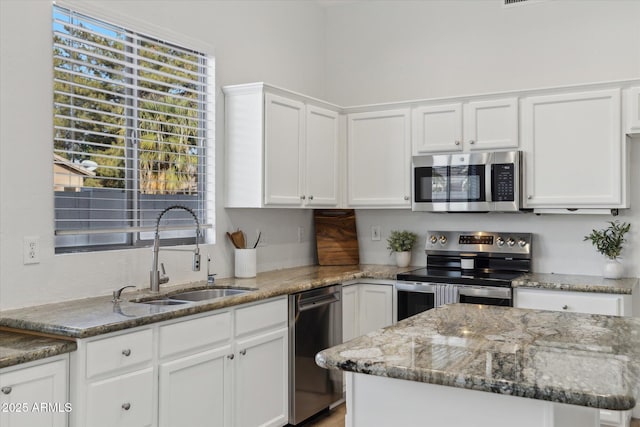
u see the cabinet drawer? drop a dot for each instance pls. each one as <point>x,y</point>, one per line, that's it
<point>192,334</point>
<point>123,401</point>
<point>267,315</point>
<point>579,302</point>
<point>119,352</point>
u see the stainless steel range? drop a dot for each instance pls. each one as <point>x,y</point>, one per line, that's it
<point>474,267</point>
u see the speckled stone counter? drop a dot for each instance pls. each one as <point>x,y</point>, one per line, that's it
<point>577,283</point>
<point>94,316</point>
<point>16,348</point>
<point>579,359</point>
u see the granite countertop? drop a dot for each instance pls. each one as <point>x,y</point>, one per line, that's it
<point>16,348</point>
<point>577,283</point>
<point>579,359</point>
<point>95,316</point>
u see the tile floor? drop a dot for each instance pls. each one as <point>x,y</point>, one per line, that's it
<point>335,418</point>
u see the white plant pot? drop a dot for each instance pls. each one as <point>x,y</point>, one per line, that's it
<point>613,269</point>
<point>403,259</point>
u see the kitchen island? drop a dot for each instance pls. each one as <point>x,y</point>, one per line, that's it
<point>465,364</point>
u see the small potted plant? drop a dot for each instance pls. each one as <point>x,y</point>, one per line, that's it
<point>401,243</point>
<point>608,242</point>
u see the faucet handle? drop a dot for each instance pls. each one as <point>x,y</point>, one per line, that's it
<point>117,293</point>
<point>163,277</point>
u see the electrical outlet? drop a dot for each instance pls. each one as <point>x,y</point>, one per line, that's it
<point>375,232</point>
<point>300,234</point>
<point>31,250</point>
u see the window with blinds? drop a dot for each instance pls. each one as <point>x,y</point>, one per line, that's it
<point>131,116</point>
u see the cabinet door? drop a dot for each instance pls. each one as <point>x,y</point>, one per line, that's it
<point>284,137</point>
<point>376,307</point>
<point>578,302</point>
<point>321,165</point>
<point>491,124</point>
<point>633,110</point>
<point>378,159</point>
<point>574,155</point>
<point>350,312</point>
<point>261,380</point>
<point>21,389</point>
<point>196,390</point>
<point>122,401</point>
<point>437,128</point>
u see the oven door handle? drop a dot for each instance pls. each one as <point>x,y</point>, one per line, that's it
<point>483,291</point>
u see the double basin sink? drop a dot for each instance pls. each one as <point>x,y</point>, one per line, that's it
<point>186,297</point>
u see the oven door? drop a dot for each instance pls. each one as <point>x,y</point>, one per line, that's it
<point>486,295</point>
<point>414,297</point>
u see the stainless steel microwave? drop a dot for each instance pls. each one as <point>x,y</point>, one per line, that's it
<point>467,182</point>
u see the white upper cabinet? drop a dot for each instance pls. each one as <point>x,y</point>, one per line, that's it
<point>321,157</point>
<point>574,151</point>
<point>475,125</point>
<point>633,110</point>
<point>284,121</point>
<point>378,159</point>
<point>281,149</point>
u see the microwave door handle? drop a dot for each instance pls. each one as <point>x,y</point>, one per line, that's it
<point>488,179</point>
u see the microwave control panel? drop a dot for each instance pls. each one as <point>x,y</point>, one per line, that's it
<point>504,181</point>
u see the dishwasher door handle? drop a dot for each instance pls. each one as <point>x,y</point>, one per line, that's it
<point>311,303</point>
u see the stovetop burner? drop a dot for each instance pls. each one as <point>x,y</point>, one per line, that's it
<point>473,258</point>
<point>460,277</point>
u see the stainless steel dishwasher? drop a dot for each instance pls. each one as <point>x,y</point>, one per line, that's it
<point>315,323</point>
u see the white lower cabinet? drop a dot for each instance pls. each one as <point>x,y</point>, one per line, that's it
<point>577,302</point>
<point>24,389</point>
<point>125,400</point>
<point>261,380</point>
<point>366,307</point>
<point>580,302</point>
<point>196,390</point>
<point>223,368</point>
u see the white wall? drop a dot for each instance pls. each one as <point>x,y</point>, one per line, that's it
<point>281,42</point>
<point>386,51</point>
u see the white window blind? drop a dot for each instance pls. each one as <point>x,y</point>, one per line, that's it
<point>131,124</point>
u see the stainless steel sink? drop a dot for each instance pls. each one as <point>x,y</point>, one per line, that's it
<point>163,301</point>
<point>205,294</point>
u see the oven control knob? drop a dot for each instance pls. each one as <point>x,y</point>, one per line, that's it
<point>511,242</point>
<point>443,240</point>
<point>500,241</point>
<point>433,239</point>
<point>522,243</point>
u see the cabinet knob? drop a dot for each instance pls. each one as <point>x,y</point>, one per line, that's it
<point>406,197</point>
<point>471,141</point>
<point>126,406</point>
<point>231,356</point>
<point>6,390</point>
<point>243,352</point>
<point>565,307</point>
<point>302,197</point>
<point>529,197</point>
<point>310,197</point>
<point>126,352</point>
<point>457,142</point>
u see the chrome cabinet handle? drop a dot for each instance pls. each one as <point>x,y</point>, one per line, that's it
<point>243,352</point>
<point>471,141</point>
<point>310,197</point>
<point>457,142</point>
<point>406,197</point>
<point>529,197</point>
<point>126,406</point>
<point>565,307</point>
<point>303,197</point>
<point>126,352</point>
<point>6,390</point>
<point>231,356</point>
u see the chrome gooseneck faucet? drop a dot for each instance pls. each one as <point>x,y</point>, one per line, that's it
<point>156,279</point>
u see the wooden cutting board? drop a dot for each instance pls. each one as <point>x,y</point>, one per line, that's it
<point>336,237</point>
